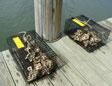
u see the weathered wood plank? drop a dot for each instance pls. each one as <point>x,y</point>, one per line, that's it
<point>58,79</point>
<point>107,24</point>
<point>100,55</point>
<point>104,54</point>
<point>101,68</point>
<point>70,71</point>
<point>5,77</point>
<point>94,63</point>
<point>102,73</point>
<point>44,82</point>
<point>74,76</point>
<point>73,54</point>
<point>14,70</point>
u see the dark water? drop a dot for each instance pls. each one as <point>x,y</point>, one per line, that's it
<point>18,15</point>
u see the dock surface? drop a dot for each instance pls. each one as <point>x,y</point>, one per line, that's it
<point>81,68</point>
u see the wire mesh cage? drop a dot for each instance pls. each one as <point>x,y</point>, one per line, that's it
<point>82,23</point>
<point>20,54</point>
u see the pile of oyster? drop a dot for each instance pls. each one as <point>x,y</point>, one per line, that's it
<point>42,65</point>
<point>87,37</point>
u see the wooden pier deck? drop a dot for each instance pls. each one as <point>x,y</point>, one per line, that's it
<point>82,68</point>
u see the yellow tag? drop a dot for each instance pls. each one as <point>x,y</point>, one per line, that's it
<point>78,22</point>
<point>18,42</point>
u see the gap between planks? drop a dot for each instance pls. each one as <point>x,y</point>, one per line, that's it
<point>5,77</point>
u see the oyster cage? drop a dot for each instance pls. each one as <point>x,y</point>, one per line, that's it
<point>71,27</point>
<point>20,54</point>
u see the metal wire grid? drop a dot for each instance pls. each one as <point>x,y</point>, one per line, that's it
<point>71,27</point>
<point>19,54</point>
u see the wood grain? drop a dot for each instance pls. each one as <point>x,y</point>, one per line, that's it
<point>48,18</point>
<point>5,77</point>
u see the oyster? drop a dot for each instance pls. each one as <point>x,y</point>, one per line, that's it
<point>87,37</point>
<point>42,65</point>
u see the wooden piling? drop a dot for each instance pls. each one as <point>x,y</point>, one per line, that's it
<point>48,18</point>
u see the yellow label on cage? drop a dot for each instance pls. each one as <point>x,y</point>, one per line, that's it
<point>18,42</point>
<point>78,22</point>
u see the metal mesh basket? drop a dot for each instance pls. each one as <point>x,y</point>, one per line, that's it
<point>71,27</point>
<point>19,54</point>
